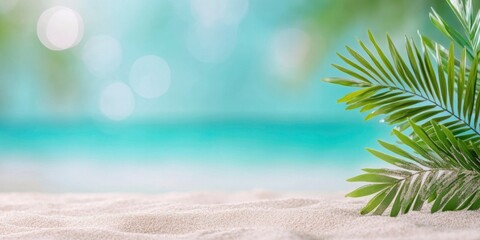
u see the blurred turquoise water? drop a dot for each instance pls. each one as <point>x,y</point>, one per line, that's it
<point>185,156</point>
<point>228,142</point>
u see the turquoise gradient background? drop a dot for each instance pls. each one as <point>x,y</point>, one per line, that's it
<point>244,108</point>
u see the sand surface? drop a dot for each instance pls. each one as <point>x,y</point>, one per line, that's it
<point>245,215</point>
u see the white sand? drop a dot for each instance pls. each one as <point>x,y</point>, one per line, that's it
<point>247,215</point>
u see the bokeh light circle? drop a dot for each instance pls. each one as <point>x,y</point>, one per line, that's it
<point>290,49</point>
<point>102,55</point>
<point>150,76</point>
<point>117,101</point>
<point>60,28</point>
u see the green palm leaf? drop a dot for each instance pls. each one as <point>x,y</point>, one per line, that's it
<point>414,87</point>
<point>437,96</point>
<point>437,168</point>
<point>469,36</point>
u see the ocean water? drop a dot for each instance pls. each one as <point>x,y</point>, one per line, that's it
<point>213,155</point>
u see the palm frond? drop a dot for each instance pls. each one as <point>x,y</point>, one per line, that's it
<point>435,93</point>
<point>437,168</point>
<point>415,87</point>
<point>468,18</point>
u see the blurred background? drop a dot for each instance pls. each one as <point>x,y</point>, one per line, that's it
<point>186,95</point>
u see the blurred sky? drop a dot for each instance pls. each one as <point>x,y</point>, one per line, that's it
<point>155,60</point>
